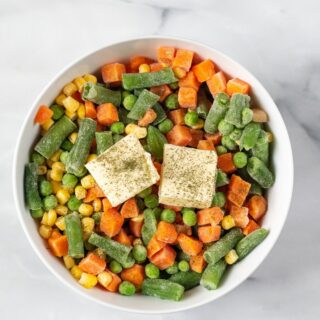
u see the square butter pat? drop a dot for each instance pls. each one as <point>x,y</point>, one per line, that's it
<point>188,177</point>
<point>123,170</point>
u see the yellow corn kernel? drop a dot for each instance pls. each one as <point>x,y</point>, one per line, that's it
<point>71,104</point>
<point>56,155</point>
<point>87,280</point>
<point>104,278</point>
<point>90,78</point>
<point>86,209</point>
<point>144,68</point>
<point>231,257</point>
<point>227,222</point>
<point>79,82</point>
<point>139,132</point>
<point>80,192</point>
<point>137,241</point>
<point>48,175</point>
<point>71,115</point>
<point>60,98</point>
<point>73,137</point>
<point>88,182</point>
<point>42,170</point>
<point>68,262</point>
<point>56,185</point>
<point>63,195</point>
<point>269,136</point>
<point>44,219</point>
<point>51,217</point>
<point>199,124</point>
<point>48,124</point>
<point>69,189</point>
<point>97,205</point>
<point>179,72</point>
<point>76,272</point>
<point>81,112</point>
<point>100,253</point>
<point>87,227</point>
<point>56,175</point>
<point>60,223</point>
<point>45,231</point>
<point>91,157</point>
<point>69,89</point>
<point>58,165</point>
<point>61,210</point>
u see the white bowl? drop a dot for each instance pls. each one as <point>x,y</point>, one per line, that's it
<point>279,196</point>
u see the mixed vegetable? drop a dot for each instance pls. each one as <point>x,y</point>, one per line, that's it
<point>142,245</point>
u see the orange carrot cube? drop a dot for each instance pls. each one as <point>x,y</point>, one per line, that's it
<point>187,97</point>
<point>237,86</point>
<point>166,55</point>
<point>112,72</point>
<point>217,83</point>
<point>204,70</point>
<point>183,59</point>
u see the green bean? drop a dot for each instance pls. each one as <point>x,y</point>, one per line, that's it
<point>255,189</point>
<point>104,141</point>
<point>156,141</point>
<point>117,137</point>
<point>74,235</point>
<point>149,227</point>
<point>212,275</point>
<point>261,148</point>
<point>58,112</point>
<point>66,145</point>
<point>137,92</point>
<point>161,114</point>
<point>123,116</point>
<point>54,137</point>
<point>132,81</point>
<point>31,191</point>
<point>235,135</point>
<point>250,135</point>
<point>259,172</point>
<point>37,158</point>
<point>220,248</point>
<point>81,148</point>
<point>187,279</point>
<point>222,178</point>
<point>238,103</point>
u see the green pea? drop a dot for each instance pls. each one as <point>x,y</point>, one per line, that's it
<point>117,127</point>
<point>151,201</point>
<point>126,288</point>
<point>225,128</point>
<point>129,101</point>
<point>96,217</point>
<point>191,118</point>
<point>45,188</point>
<point>125,93</point>
<point>58,111</point>
<point>183,266</point>
<point>152,271</point>
<point>37,213</point>
<point>221,150</point>
<point>73,203</point>
<point>145,192</point>
<point>50,202</point>
<point>171,101</point>
<point>66,145</point>
<point>174,85</point>
<point>69,180</point>
<point>64,157</point>
<point>37,158</point>
<point>165,126</point>
<point>228,143</point>
<point>240,159</point>
<point>115,266</point>
<point>168,215</point>
<point>189,217</point>
<point>140,204</point>
<point>157,212</point>
<point>139,253</point>
<point>219,199</point>
<point>172,269</point>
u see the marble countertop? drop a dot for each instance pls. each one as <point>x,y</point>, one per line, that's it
<point>277,40</point>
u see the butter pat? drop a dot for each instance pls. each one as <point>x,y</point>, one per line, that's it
<point>188,177</point>
<point>123,170</point>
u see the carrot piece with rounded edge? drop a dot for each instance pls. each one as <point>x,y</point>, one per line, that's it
<point>237,86</point>
<point>166,232</point>
<point>93,193</point>
<point>135,275</point>
<point>156,66</point>
<point>162,91</point>
<point>174,208</point>
<point>257,207</point>
<point>130,209</point>
<point>43,114</point>
<point>211,216</point>
<point>115,282</point>
<point>187,97</point>
<point>112,72</point>
<point>137,60</point>
<point>123,238</point>
<point>177,116</point>
<point>135,225</point>
<point>189,81</point>
<point>154,246</point>
<point>225,163</point>
<point>205,145</point>
<point>197,135</point>
<point>111,222</point>
<point>217,83</point>
<point>183,59</point>
<point>90,110</point>
<point>215,138</point>
<point>189,245</point>
<point>164,258</point>
<point>197,263</point>
<point>204,70</point>
<point>250,227</point>
<point>92,264</point>
<point>106,204</point>
<point>179,136</point>
<point>107,114</point>
<point>209,233</point>
<point>240,216</point>
<point>147,118</point>
<point>238,190</point>
<point>58,245</point>
<point>166,55</point>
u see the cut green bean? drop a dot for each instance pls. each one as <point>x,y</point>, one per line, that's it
<point>255,189</point>
<point>188,280</point>
<point>54,137</point>
<point>156,141</point>
<point>74,235</point>
<point>259,172</point>
<point>149,227</point>
<point>238,103</point>
<point>31,190</point>
<point>104,141</point>
<point>161,115</point>
<point>81,148</point>
<point>212,275</point>
<point>250,135</point>
<point>123,116</point>
<point>261,148</point>
<point>132,81</point>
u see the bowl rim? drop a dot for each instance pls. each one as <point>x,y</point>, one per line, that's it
<point>20,209</point>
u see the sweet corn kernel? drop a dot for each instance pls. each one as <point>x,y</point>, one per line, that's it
<point>69,189</point>
<point>90,78</point>
<point>62,210</point>
<point>56,185</point>
<point>231,257</point>
<point>60,98</point>
<point>42,170</point>
<point>56,175</point>
<point>44,219</point>
<point>139,132</point>
<point>69,89</point>
<point>104,278</point>
<point>227,222</point>
<point>51,217</point>
<point>88,182</point>
<point>71,115</point>
<point>199,124</point>
<point>179,72</point>
<point>87,227</point>
<point>63,195</point>
<point>71,104</point>
<point>48,175</point>
<point>86,209</point>
<point>60,223</point>
<point>79,82</point>
<point>97,205</point>
<point>45,231</point>
<point>81,112</point>
<point>87,280</point>
<point>80,192</point>
<point>100,253</point>
<point>49,163</point>
<point>144,68</point>
<point>48,124</point>
<point>73,137</point>
<point>56,155</point>
<point>269,137</point>
<point>68,262</point>
<point>91,157</point>
<point>57,165</point>
<point>137,241</point>
<point>76,272</point>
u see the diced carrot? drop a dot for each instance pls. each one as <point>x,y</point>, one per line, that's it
<point>217,83</point>
<point>225,163</point>
<point>205,145</point>
<point>136,61</point>
<point>162,91</point>
<point>209,233</point>
<point>44,114</point>
<point>240,216</point>
<point>93,193</point>
<point>112,72</point>
<point>203,70</point>
<point>55,234</point>
<point>148,118</point>
<point>123,238</point>
<point>257,207</point>
<point>106,204</point>
<point>107,114</point>
<point>197,135</point>
<point>135,225</point>
<point>187,97</point>
<point>197,263</point>
<point>183,59</point>
<point>135,275</point>
<point>189,245</point>
<point>156,66</point>
<point>115,282</point>
<point>111,222</point>
<point>237,86</point>
<point>166,55</point>
<point>90,110</point>
<point>189,81</point>
<point>250,227</point>
<point>77,96</point>
<point>215,138</point>
<point>154,246</point>
<point>179,136</point>
<point>92,264</point>
<point>183,228</point>
<point>58,245</point>
<point>211,216</point>
<point>177,116</point>
<point>238,190</point>
<point>174,208</point>
<point>130,209</point>
<point>164,258</point>
<point>166,232</point>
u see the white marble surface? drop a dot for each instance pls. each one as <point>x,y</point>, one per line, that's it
<point>279,41</point>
